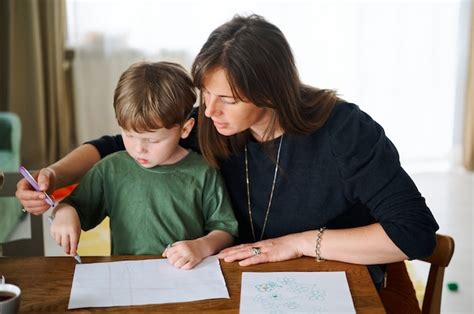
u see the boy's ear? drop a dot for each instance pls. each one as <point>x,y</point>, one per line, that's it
<point>187,127</point>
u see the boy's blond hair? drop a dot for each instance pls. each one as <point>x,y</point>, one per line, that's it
<point>150,96</point>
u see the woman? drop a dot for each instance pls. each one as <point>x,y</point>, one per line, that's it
<point>308,173</point>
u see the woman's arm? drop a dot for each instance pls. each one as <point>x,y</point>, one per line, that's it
<point>74,165</point>
<point>65,171</point>
<point>363,245</point>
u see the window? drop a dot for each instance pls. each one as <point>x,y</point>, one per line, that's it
<point>402,62</point>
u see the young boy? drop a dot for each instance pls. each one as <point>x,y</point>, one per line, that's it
<point>156,193</point>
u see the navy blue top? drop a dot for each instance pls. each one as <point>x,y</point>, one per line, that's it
<point>346,174</point>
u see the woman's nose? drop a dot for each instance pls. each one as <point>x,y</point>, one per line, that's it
<point>211,106</point>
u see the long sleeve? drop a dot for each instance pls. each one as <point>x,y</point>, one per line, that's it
<point>107,144</point>
<point>369,166</point>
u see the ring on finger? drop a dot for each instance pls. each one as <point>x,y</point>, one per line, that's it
<point>255,250</point>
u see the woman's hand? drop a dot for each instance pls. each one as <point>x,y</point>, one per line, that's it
<point>32,200</point>
<point>271,250</point>
<point>64,172</point>
<point>185,254</point>
<point>66,228</point>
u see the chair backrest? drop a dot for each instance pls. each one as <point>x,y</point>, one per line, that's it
<point>10,137</point>
<point>439,260</point>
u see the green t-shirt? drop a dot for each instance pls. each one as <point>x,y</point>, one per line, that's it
<point>149,208</point>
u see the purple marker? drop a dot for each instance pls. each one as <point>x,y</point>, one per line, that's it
<point>35,185</point>
<point>27,175</point>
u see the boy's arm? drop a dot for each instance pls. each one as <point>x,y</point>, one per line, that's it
<point>217,208</point>
<point>215,241</point>
<point>66,228</point>
<point>82,209</point>
<point>219,219</point>
<point>189,253</point>
<point>88,198</point>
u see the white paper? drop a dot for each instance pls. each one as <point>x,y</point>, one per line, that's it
<point>145,282</point>
<point>295,292</point>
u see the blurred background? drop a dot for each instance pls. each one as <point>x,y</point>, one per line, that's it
<point>409,64</point>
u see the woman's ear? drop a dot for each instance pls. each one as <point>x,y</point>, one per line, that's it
<point>187,127</point>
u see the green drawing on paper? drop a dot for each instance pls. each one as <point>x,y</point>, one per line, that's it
<point>286,294</point>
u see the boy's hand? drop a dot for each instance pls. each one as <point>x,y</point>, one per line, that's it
<point>186,254</point>
<point>33,201</point>
<point>66,228</point>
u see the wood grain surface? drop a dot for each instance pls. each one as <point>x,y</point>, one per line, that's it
<point>46,284</point>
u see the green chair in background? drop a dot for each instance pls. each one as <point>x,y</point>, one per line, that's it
<point>10,136</point>
<point>10,208</point>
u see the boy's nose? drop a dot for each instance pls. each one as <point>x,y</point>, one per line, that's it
<point>141,148</point>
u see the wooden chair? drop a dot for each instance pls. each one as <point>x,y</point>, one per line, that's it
<point>439,260</point>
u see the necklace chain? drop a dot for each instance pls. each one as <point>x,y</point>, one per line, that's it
<point>247,180</point>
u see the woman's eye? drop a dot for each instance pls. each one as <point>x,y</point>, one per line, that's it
<point>228,101</point>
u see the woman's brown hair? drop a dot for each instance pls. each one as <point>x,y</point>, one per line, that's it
<point>150,96</point>
<point>260,68</point>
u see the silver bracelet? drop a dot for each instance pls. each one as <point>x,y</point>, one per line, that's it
<point>317,249</point>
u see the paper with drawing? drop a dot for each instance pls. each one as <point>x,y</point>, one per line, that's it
<point>295,292</point>
<point>145,282</point>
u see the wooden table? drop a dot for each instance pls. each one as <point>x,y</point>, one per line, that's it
<point>46,284</point>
